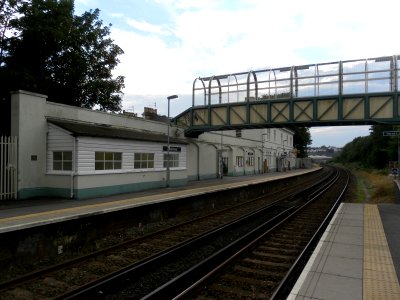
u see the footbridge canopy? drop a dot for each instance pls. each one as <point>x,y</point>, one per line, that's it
<point>353,92</point>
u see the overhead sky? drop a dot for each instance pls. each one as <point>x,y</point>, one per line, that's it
<point>169,43</point>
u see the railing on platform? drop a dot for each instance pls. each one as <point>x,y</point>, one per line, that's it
<point>8,167</point>
<point>372,75</point>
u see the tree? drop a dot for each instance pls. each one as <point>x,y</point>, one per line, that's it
<point>301,140</point>
<point>8,12</point>
<point>373,151</point>
<point>69,58</point>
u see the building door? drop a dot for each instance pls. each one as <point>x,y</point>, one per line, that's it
<point>225,165</point>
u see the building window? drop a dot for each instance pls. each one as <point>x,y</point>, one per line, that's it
<point>173,160</point>
<point>250,159</point>
<point>239,161</point>
<point>62,160</point>
<point>144,161</point>
<point>108,160</point>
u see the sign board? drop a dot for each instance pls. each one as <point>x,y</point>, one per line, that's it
<point>391,133</point>
<point>172,148</point>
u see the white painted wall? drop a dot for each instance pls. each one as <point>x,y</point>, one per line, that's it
<point>199,158</point>
<point>29,125</point>
<point>58,139</point>
<point>87,146</point>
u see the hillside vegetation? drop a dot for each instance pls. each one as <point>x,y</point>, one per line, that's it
<point>374,151</point>
<point>371,159</point>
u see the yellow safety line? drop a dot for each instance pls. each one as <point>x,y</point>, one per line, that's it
<point>379,279</point>
<point>117,203</point>
<point>145,199</point>
<point>51,212</point>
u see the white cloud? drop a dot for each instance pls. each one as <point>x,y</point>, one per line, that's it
<point>202,38</point>
<point>146,27</point>
<point>337,135</point>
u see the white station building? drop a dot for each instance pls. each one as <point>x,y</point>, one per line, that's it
<point>70,152</point>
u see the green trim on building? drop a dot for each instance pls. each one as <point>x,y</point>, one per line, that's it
<point>97,191</point>
<point>47,192</point>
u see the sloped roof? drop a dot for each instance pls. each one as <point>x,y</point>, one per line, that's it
<point>108,131</point>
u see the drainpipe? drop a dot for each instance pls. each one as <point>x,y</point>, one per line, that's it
<point>73,167</point>
<point>244,160</point>
<point>198,161</point>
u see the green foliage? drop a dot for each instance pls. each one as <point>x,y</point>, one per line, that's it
<point>50,50</point>
<point>373,151</point>
<point>301,139</point>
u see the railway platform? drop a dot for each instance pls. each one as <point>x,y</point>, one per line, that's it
<point>358,256</point>
<point>23,214</point>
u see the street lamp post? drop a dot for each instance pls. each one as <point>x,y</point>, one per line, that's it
<point>262,152</point>
<point>168,158</point>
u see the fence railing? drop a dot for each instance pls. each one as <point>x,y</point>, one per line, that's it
<point>362,76</point>
<point>8,167</point>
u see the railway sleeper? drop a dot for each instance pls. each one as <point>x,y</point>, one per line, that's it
<point>277,249</point>
<point>293,245</point>
<point>277,256</point>
<point>236,278</point>
<point>223,292</point>
<point>267,263</point>
<point>259,273</point>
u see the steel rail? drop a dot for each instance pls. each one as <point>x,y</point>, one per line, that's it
<point>287,283</point>
<point>35,274</point>
<point>183,284</point>
<point>111,281</point>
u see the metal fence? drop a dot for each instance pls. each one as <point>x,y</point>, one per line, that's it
<point>8,167</point>
<point>362,76</point>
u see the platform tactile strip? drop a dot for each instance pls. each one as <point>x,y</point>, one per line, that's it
<point>379,278</point>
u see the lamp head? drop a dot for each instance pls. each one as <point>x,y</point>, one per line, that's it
<point>172,97</point>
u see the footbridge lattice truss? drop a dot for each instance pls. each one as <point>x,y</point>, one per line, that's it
<point>353,92</point>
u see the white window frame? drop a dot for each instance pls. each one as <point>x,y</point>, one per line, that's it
<point>250,160</point>
<point>144,159</point>
<point>115,162</point>
<point>173,160</point>
<point>239,161</point>
<point>62,161</point>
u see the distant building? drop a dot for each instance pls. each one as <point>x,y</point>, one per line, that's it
<point>329,151</point>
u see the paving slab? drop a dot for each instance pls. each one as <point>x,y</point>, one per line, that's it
<point>356,258</point>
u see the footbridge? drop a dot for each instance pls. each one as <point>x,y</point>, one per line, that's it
<point>353,92</point>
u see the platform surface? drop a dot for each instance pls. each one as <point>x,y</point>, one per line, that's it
<point>22,214</point>
<point>354,258</point>
<point>357,257</point>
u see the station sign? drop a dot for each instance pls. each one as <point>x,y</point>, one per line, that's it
<point>172,148</point>
<point>391,133</point>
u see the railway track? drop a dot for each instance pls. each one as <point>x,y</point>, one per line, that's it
<point>268,266</point>
<point>77,277</point>
<point>162,277</point>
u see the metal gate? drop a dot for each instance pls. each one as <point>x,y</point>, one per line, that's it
<point>8,167</point>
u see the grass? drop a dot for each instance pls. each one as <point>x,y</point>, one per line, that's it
<point>362,194</point>
<point>374,186</point>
